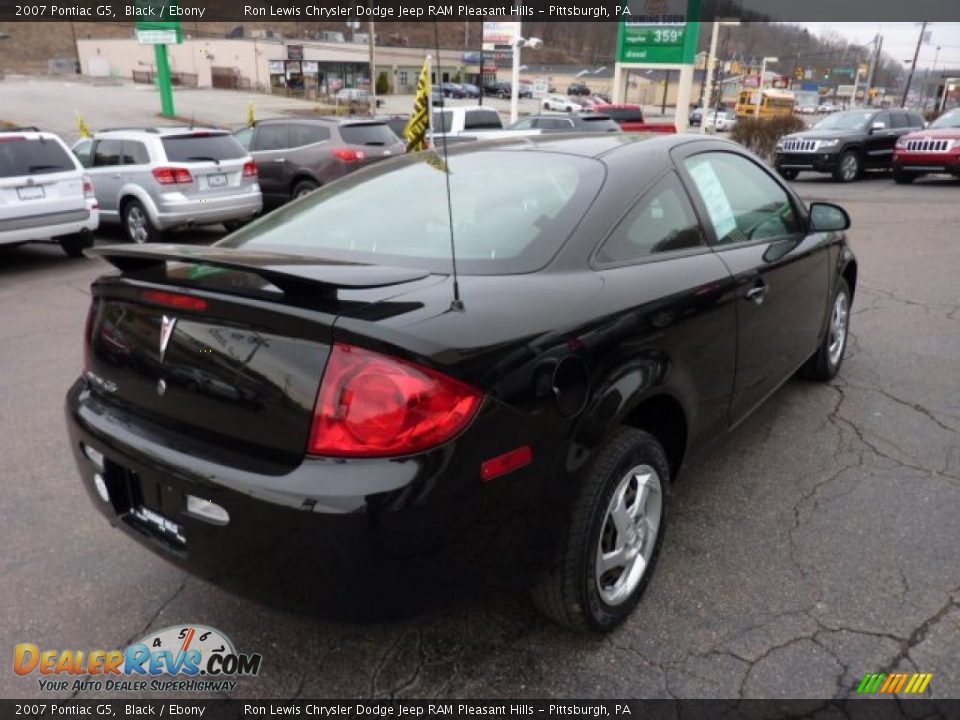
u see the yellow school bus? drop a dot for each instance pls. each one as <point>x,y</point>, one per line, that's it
<point>775,102</point>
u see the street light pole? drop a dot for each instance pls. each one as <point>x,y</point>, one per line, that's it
<point>913,67</point>
<point>763,72</point>
<point>711,61</point>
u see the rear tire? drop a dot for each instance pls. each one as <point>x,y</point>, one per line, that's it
<point>304,188</point>
<point>137,226</point>
<point>74,245</point>
<point>631,468</point>
<point>825,363</point>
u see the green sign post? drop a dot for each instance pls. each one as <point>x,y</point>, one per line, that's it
<point>663,39</point>
<point>160,33</point>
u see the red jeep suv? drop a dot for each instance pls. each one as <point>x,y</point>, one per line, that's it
<point>933,150</point>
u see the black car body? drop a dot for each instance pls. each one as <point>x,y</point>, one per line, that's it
<point>570,122</point>
<point>619,310</point>
<point>845,144</point>
<point>295,156</point>
<point>578,90</point>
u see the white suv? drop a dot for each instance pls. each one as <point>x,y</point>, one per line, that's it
<point>44,193</point>
<point>155,179</point>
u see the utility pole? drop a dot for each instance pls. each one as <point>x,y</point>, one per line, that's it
<point>874,63</point>
<point>913,66</point>
<point>373,69</point>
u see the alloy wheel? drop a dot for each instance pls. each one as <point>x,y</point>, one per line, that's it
<point>838,328</point>
<point>137,225</point>
<point>628,537</point>
<point>849,168</point>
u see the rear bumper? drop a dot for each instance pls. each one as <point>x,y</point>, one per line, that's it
<point>38,229</point>
<point>175,210</point>
<point>308,528</point>
<point>928,162</point>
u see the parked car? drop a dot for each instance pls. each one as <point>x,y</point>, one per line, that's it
<point>720,120</point>
<point>353,95</point>
<point>827,108</point>
<point>805,109</point>
<point>470,89</point>
<point>574,122</point>
<point>696,117</point>
<point>44,193</point>
<point>497,89</point>
<point>151,180</point>
<point>296,156</point>
<point>452,90</point>
<point>846,143</point>
<point>935,149</point>
<point>546,407</point>
<point>465,118</point>
<point>396,123</point>
<point>578,90</point>
<point>561,103</point>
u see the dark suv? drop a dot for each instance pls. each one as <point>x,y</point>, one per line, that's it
<point>846,143</point>
<point>296,156</point>
<point>578,90</point>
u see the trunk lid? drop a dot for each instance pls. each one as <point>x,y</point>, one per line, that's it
<point>225,345</point>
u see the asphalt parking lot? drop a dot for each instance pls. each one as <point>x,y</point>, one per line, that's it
<point>815,544</point>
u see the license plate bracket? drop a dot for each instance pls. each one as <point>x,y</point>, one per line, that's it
<point>31,192</point>
<point>217,180</point>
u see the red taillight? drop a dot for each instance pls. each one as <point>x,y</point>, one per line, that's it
<point>348,155</point>
<point>12,138</point>
<point>87,189</point>
<point>250,169</point>
<point>174,300</point>
<point>371,405</point>
<point>172,176</point>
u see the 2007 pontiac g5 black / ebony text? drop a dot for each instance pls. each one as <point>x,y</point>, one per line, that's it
<point>305,388</point>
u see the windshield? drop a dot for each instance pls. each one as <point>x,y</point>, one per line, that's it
<point>19,156</point>
<point>949,120</point>
<point>512,211</point>
<point>845,121</point>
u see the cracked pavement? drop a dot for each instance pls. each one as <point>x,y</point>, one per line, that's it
<point>816,543</point>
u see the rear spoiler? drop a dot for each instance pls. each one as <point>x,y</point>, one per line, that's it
<point>293,274</point>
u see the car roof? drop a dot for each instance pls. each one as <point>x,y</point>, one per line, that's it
<point>590,145</point>
<point>326,120</point>
<point>30,133</point>
<point>161,131</point>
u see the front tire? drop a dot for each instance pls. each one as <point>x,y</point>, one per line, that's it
<point>825,363</point>
<point>849,167</point>
<point>610,548</point>
<point>901,177</point>
<point>788,174</point>
<point>137,226</point>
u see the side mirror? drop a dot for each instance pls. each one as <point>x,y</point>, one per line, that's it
<point>827,217</point>
<point>878,126</point>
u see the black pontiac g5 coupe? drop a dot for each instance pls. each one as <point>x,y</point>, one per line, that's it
<point>307,390</point>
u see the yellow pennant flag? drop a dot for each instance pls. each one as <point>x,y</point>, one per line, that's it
<point>82,126</point>
<point>418,125</point>
<point>251,116</point>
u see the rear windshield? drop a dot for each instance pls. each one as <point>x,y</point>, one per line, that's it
<point>367,134</point>
<point>19,156</point>
<point>600,124</point>
<point>512,211</point>
<point>624,114</point>
<point>201,147</point>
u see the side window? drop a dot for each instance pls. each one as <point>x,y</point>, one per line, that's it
<point>84,152</point>
<point>661,221</point>
<point>882,118</point>
<point>272,137</point>
<point>244,137</point>
<point>526,124</point>
<point>899,120</point>
<point>744,203</point>
<point>301,135</point>
<point>107,152</point>
<point>135,153</point>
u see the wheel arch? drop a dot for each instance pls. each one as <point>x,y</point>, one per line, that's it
<point>664,417</point>
<point>300,177</point>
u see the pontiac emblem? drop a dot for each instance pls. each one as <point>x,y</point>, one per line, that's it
<point>166,332</point>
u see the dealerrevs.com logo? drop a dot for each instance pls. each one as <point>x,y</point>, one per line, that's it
<point>176,659</point>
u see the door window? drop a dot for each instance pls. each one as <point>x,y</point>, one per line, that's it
<point>899,120</point>
<point>107,152</point>
<point>663,220</point>
<point>244,137</point>
<point>84,152</point>
<point>301,135</point>
<point>135,153</point>
<point>743,202</point>
<point>272,137</point>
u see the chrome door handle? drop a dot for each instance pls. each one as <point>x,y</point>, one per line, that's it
<point>757,294</point>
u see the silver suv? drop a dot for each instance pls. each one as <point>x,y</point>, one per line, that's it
<point>156,179</point>
<point>44,193</point>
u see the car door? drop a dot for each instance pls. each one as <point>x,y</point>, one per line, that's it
<point>105,175</point>
<point>881,140</point>
<point>758,229</point>
<point>271,143</point>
